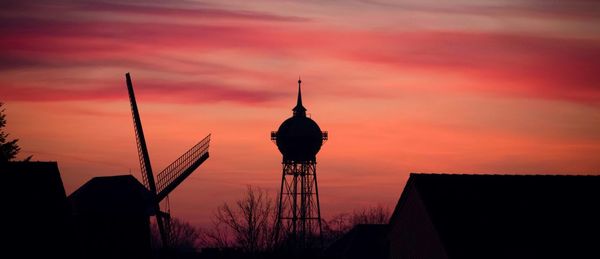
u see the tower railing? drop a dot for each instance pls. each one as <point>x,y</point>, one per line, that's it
<point>273,135</point>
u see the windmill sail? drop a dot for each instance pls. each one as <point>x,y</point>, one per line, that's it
<point>169,178</point>
<point>147,175</point>
<point>181,168</point>
<point>145,166</point>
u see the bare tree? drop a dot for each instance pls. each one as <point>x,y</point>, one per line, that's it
<point>336,227</point>
<point>251,222</point>
<point>372,215</point>
<point>218,236</point>
<point>185,238</point>
<point>341,223</point>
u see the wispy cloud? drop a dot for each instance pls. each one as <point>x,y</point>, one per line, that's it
<point>514,65</point>
<point>580,9</point>
<point>191,10</point>
<point>532,66</point>
<point>169,92</point>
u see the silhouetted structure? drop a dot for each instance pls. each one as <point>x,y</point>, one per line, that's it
<point>299,139</point>
<point>171,176</point>
<point>362,241</point>
<point>497,216</point>
<point>35,216</point>
<point>111,216</point>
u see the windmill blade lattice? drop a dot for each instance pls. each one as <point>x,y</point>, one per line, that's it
<point>181,168</point>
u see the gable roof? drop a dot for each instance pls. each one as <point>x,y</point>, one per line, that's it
<point>35,216</point>
<point>122,194</point>
<point>511,215</point>
<point>31,188</point>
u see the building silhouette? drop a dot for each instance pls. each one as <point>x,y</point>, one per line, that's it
<point>35,219</point>
<point>362,241</point>
<point>111,218</point>
<point>299,139</point>
<point>484,216</point>
<point>107,217</point>
<point>497,216</point>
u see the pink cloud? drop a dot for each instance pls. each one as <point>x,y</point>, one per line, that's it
<point>514,65</point>
<point>580,9</point>
<point>170,92</point>
<point>496,63</point>
<point>190,10</point>
<point>179,9</point>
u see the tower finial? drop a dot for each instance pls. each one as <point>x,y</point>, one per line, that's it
<point>299,110</point>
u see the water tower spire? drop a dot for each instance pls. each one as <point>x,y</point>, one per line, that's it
<point>299,110</point>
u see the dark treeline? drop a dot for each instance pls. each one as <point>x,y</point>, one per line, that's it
<point>247,228</point>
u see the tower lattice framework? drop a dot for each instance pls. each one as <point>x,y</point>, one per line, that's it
<point>299,211</point>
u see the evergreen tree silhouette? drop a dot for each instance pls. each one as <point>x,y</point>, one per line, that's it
<point>8,148</point>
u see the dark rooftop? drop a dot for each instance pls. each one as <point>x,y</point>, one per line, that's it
<point>120,194</point>
<point>35,216</point>
<point>362,241</point>
<point>32,187</point>
<point>510,215</point>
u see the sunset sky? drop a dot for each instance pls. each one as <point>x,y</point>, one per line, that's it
<point>464,86</point>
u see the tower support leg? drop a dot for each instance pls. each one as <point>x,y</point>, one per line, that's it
<point>299,212</point>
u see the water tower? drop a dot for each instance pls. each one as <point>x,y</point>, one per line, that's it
<point>299,139</point>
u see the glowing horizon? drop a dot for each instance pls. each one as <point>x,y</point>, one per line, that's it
<point>490,86</point>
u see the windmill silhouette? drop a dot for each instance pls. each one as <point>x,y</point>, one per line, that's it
<point>169,178</point>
